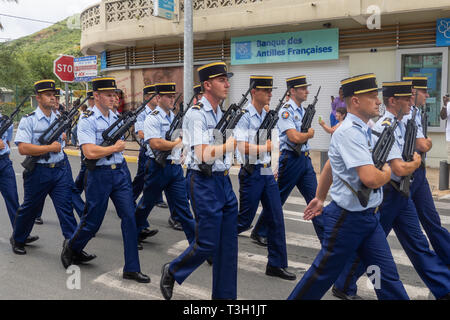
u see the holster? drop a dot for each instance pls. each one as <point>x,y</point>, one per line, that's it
<point>206,169</point>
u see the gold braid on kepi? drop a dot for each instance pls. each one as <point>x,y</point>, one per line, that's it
<point>363,83</point>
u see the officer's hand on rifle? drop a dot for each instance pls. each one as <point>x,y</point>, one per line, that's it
<point>268,145</point>
<point>55,147</point>
<point>230,144</point>
<point>64,136</point>
<point>2,145</point>
<point>119,146</point>
<point>141,134</point>
<point>417,159</point>
<point>310,133</point>
<point>387,172</point>
<point>178,143</point>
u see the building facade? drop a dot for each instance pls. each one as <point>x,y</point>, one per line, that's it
<point>327,40</point>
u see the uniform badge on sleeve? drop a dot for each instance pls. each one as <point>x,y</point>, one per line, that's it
<point>285,115</point>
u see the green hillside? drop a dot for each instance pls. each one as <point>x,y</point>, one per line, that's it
<point>28,59</point>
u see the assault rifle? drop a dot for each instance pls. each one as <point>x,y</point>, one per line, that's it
<point>264,132</point>
<point>7,122</point>
<point>228,122</point>
<point>306,123</point>
<point>408,151</point>
<point>177,123</point>
<point>424,120</point>
<point>50,135</point>
<point>379,156</point>
<point>117,130</point>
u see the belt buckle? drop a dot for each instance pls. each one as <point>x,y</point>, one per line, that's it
<point>376,210</point>
<point>172,162</point>
<point>306,153</point>
<point>113,166</point>
<point>225,173</point>
<point>265,165</point>
<point>52,165</point>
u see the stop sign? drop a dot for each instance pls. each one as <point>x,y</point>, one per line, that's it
<point>63,68</point>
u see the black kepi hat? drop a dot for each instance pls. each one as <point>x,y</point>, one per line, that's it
<point>363,83</point>
<point>44,85</point>
<point>213,70</point>
<point>103,84</point>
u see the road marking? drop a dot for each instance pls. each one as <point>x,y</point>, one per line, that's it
<point>186,291</point>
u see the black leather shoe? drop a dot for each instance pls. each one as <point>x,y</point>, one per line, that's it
<point>167,282</point>
<point>31,239</point>
<point>175,224</point>
<point>83,257</point>
<point>140,246</point>
<point>343,296</point>
<point>280,272</point>
<point>38,221</point>
<point>67,255</point>
<point>262,241</point>
<point>17,247</point>
<point>210,261</point>
<point>146,233</point>
<point>162,204</point>
<point>136,276</point>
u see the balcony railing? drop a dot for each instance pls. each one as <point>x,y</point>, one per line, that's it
<point>122,10</point>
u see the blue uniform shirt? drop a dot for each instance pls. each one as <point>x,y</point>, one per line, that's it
<point>198,129</point>
<point>397,148</point>
<point>31,127</point>
<point>351,146</point>
<point>290,117</point>
<point>7,137</point>
<point>90,130</point>
<point>155,126</point>
<point>246,130</point>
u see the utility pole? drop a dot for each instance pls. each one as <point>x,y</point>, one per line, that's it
<point>188,51</point>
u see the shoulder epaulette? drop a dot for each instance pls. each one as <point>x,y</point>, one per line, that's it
<point>87,114</point>
<point>357,124</point>
<point>155,112</point>
<point>386,122</point>
<point>286,105</point>
<point>198,106</point>
<point>30,114</point>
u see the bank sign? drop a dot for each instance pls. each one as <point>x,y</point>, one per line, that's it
<point>286,47</point>
<point>443,33</point>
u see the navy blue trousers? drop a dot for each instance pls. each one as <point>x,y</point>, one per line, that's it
<point>171,180</point>
<point>399,213</point>
<point>261,186</point>
<point>8,187</point>
<point>294,171</point>
<point>215,209</point>
<point>77,202</point>
<point>139,180</point>
<point>103,183</point>
<point>37,185</point>
<point>429,217</point>
<point>347,233</point>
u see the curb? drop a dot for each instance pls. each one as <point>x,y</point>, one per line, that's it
<point>76,153</point>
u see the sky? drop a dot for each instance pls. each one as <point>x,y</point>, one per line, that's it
<point>45,10</point>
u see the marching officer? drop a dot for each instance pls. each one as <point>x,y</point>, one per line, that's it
<point>348,226</point>
<point>168,176</point>
<point>77,202</point>
<point>294,169</point>
<point>212,198</point>
<point>397,212</point>
<point>256,179</point>
<point>198,93</point>
<point>110,178</point>
<point>48,177</point>
<point>8,186</point>
<point>438,236</point>
<point>138,182</point>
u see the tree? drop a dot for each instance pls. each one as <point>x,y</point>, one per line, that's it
<point>16,1</point>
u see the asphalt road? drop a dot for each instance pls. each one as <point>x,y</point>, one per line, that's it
<point>40,275</point>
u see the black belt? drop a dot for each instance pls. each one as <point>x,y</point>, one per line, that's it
<point>110,166</point>
<point>256,166</point>
<point>168,161</point>
<point>4,156</point>
<point>52,165</point>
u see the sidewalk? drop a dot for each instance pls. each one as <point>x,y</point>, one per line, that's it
<point>132,153</point>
